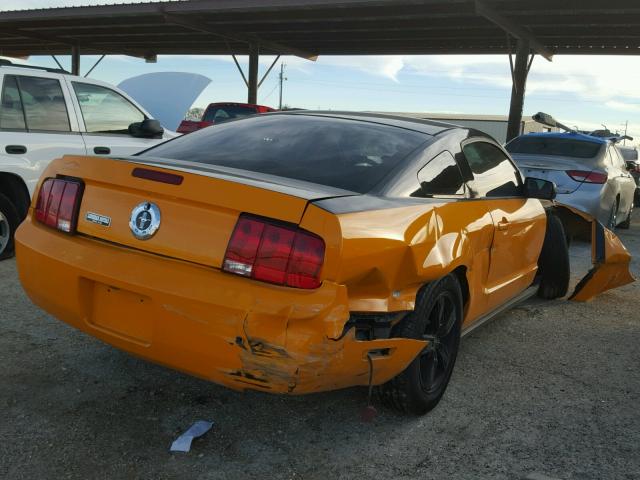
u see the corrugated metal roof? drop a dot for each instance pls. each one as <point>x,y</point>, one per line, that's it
<point>311,27</point>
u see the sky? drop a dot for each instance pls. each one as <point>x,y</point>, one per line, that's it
<point>577,90</point>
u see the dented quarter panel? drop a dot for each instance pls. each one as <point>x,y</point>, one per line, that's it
<point>388,254</point>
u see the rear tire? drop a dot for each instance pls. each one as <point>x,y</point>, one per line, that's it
<point>438,313</point>
<point>613,217</point>
<point>553,263</point>
<point>627,223</point>
<point>9,221</point>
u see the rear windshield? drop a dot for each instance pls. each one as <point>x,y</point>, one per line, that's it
<point>561,147</point>
<point>339,153</point>
<point>226,113</point>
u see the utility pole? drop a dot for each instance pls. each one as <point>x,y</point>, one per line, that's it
<point>282,80</point>
<point>626,124</point>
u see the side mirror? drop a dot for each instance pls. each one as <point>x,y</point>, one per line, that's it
<point>148,128</point>
<point>539,188</point>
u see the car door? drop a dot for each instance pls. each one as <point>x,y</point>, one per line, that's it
<point>519,222</point>
<point>36,125</point>
<point>105,116</point>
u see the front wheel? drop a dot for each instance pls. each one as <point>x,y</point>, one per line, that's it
<point>553,263</point>
<point>437,318</point>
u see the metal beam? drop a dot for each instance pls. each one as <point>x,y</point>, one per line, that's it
<point>240,70</point>
<point>513,28</point>
<point>94,66</point>
<point>55,59</point>
<point>254,57</point>
<point>239,37</point>
<point>266,74</point>
<point>519,75</point>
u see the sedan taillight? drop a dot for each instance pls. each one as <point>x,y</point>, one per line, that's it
<point>271,252</point>
<point>58,203</point>
<point>587,176</point>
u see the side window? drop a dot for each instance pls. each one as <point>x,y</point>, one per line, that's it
<point>493,173</point>
<point>42,101</point>
<point>11,112</point>
<point>104,110</point>
<point>441,176</point>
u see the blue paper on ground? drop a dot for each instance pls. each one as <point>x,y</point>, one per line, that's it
<point>183,442</point>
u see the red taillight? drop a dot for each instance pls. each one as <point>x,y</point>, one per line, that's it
<point>270,252</point>
<point>58,202</point>
<point>587,177</point>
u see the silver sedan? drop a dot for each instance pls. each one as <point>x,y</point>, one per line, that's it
<point>589,172</point>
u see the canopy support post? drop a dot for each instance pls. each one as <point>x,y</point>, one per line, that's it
<point>75,60</point>
<point>519,75</point>
<point>254,57</point>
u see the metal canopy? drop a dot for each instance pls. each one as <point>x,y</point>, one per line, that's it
<point>326,27</point>
<point>308,28</point>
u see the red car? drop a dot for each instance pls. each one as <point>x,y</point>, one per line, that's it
<point>222,112</point>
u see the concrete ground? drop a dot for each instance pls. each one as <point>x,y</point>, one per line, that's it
<point>547,390</point>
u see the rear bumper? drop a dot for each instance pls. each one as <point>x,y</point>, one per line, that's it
<point>227,329</point>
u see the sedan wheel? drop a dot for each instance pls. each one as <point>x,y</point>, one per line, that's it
<point>613,217</point>
<point>436,360</point>
<point>627,223</point>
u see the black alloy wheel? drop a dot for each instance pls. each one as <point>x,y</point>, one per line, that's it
<point>437,318</point>
<point>443,332</point>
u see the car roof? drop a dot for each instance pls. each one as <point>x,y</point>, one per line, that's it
<point>429,127</point>
<point>569,135</point>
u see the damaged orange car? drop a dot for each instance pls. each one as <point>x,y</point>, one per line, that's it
<point>303,252</point>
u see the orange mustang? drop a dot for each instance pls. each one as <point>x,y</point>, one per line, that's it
<point>302,252</point>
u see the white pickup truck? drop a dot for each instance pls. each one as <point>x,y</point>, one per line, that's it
<point>47,113</point>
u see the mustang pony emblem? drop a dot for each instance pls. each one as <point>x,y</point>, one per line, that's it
<point>145,220</point>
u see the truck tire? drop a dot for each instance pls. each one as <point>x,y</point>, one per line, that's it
<point>553,263</point>
<point>9,221</point>
<point>438,314</point>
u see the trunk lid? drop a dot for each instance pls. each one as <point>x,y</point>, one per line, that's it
<point>553,169</point>
<point>197,216</point>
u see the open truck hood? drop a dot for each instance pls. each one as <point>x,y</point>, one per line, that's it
<point>609,256</point>
<point>166,95</point>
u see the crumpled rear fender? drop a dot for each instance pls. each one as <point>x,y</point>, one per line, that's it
<point>609,256</point>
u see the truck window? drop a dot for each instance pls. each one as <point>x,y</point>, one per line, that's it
<point>41,100</point>
<point>104,110</point>
<point>11,111</point>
